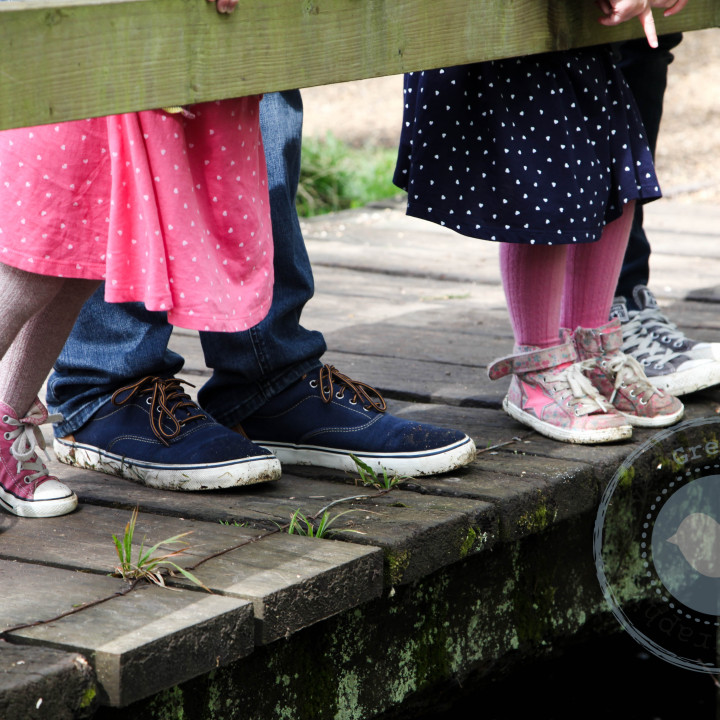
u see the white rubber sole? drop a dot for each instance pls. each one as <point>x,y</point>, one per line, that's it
<point>37,508</point>
<point>579,437</point>
<point>687,381</point>
<point>428,462</point>
<point>210,476</point>
<point>653,422</point>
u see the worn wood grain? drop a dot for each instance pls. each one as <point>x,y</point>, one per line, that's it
<point>75,59</point>
<point>137,643</point>
<point>292,581</point>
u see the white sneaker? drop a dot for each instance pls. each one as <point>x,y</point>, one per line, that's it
<point>672,361</point>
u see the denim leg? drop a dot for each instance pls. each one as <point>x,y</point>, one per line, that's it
<point>113,344</point>
<point>645,70</point>
<point>251,367</point>
<point>110,345</point>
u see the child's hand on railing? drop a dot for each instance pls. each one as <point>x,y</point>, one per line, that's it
<point>618,11</point>
<point>671,6</point>
<point>225,6</point>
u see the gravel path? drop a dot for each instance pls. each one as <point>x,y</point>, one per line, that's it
<point>688,154</point>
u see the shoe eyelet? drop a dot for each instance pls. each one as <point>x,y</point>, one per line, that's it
<point>313,383</point>
<point>340,395</point>
<point>148,401</point>
<point>353,402</point>
<point>6,418</point>
<point>27,480</point>
<point>666,339</point>
<point>632,393</point>
<point>7,436</point>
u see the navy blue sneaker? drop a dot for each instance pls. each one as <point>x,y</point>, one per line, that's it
<point>321,419</point>
<point>153,433</point>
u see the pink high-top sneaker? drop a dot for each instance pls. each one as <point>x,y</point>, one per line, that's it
<point>550,393</point>
<point>621,379</point>
<point>26,489</point>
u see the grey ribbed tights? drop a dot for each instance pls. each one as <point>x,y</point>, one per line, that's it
<point>37,313</point>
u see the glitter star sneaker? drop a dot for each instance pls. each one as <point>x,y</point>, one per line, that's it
<point>621,379</point>
<point>550,393</point>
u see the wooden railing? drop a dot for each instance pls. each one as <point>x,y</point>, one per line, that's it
<point>82,58</point>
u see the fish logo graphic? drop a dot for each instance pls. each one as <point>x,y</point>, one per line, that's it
<point>698,538</point>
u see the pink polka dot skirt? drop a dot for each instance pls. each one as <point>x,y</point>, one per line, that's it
<point>169,210</point>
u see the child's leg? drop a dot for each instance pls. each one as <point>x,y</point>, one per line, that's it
<point>593,270</point>
<point>31,354</point>
<point>38,313</point>
<point>548,391</point>
<point>592,273</point>
<point>533,278</point>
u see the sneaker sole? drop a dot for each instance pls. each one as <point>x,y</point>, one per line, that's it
<point>432,462</point>
<point>653,422</point>
<point>210,476</point>
<point>579,437</point>
<point>37,508</point>
<point>688,381</point>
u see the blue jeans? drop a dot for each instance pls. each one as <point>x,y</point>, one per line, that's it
<point>113,344</point>
<point>645,70</point>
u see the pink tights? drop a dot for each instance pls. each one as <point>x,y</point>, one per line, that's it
<point>552,286</point>
<point>37,314</point>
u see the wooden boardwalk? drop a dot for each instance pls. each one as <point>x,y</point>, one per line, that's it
<point>418,312</point>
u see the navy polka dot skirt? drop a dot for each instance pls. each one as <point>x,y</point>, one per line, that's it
<point>543,149</point>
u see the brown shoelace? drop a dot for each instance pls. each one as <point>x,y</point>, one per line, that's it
<point>370,397</point>
<point>167,398</point>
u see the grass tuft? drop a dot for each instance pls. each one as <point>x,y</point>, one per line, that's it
<point>149,566</point>
<point>335,176</point>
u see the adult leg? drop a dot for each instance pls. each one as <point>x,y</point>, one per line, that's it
<point>645,70</point>
<point>260,377</point>
<point>110,345</point>
<point>251,367</point>
<point>672,361</point>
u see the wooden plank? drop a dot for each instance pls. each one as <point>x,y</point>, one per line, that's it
<point>74,59</point>
<point>428,532</point>
<point>61,683</point>
<point>138,643</point>
<point>292,581</point>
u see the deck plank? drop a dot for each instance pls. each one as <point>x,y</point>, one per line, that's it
<point>292,581</point>
<point>138,643</point>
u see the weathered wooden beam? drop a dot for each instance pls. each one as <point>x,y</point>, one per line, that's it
<point>82,58</point>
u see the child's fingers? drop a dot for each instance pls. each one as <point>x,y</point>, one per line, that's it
<point>605,7</point>
<point>225,6</point>
<point>648,23</point>
<point>676,8</point>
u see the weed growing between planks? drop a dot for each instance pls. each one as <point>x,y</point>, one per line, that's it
<point>149,566</point>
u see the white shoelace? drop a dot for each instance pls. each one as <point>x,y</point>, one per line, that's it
<point>628,371</point>
<point>586,397</point>
<point>27,438</point>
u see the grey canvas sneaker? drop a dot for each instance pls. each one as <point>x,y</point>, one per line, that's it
<point>672,361</point>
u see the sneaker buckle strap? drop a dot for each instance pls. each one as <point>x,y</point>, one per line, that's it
<point>533,361</point>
